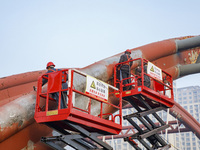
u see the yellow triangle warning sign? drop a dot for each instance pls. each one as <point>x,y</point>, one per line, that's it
<point>152,69</point>
<point>93,85</point>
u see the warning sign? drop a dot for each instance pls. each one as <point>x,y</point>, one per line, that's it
<point>93,85</point>
<point>97,88</point>
<point>154,71</point>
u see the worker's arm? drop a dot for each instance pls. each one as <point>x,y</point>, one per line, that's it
<point>44,81</point>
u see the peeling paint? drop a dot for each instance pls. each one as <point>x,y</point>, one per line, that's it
<point>30,146</point>
<point>176,115</point>
<point>193,56</point>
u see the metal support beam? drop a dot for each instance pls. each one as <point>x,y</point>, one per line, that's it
<point>81,140</point>
<point>89,135</point>
<point>152,129</point>
<point>145,135</point>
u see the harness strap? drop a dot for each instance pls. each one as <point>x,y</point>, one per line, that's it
<point>127,63</point>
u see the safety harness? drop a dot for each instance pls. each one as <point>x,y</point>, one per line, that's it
<point>128,59</point>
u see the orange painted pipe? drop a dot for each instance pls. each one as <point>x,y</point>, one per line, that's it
<point>15,121</point>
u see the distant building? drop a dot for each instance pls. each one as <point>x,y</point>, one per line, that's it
<point>189,99</point>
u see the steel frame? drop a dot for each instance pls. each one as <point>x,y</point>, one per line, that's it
<point>152,129</point>
<point>81,139</point>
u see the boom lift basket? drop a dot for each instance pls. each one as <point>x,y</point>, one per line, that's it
<point>147,80</point>
<point>85,105</point>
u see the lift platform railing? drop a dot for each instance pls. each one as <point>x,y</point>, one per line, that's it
<point>49,96</point>
<point>85,103</point>
<point>147,78</point>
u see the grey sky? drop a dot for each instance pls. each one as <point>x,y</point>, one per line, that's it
<point>76,33</point>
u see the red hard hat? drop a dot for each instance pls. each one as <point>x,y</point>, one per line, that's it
<point>128,50</point>
<point>50,64</point>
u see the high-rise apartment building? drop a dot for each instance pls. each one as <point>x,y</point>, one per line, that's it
<point>189,99</point>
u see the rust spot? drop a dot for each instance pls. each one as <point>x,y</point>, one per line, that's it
<point>20,123</point>
<point>110,69</point>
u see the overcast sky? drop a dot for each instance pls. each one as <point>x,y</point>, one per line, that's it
<point>77,33</point>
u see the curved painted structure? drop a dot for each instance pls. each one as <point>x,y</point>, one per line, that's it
<point>178,56</point>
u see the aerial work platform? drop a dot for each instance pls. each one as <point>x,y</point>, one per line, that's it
<point>79,112</point>
<point>149,90</point>
<point>151,82</point>
<point>84,110</point>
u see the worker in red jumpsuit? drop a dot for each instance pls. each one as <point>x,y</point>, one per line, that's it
<point>50,68</point>
<point>125,68</point>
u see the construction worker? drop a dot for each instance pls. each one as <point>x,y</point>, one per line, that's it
<point>50,68</point>
<point>138,71</point>
<point>125,67</point>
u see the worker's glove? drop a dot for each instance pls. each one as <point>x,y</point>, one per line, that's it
<point>34,88</point>
<point>118,67</point>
